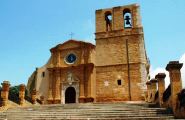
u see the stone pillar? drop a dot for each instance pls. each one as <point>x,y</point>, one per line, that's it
<point>5,92</point>
<point>161,86</point>
<point>21,94</point>
<point>173,68</point>
<point>153,89</point>
<point>42,99</point>
<point>50,95</point>
<point>148,84</point>
<point>33,96</point>
<point>57,98</point>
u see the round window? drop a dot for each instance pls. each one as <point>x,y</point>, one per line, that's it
<point>71,58</point>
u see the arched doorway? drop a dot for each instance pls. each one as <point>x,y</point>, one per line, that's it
<point>70,95</point>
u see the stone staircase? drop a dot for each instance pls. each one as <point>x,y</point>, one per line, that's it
<point>88,111</point>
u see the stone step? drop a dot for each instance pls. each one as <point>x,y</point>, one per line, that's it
<point>91,118</point>
<point>88,118</point>
<point>100,108</point>
<point>89,115</point>
<point>108,113</point>
<point>88,111</point>
<point>103,116</point>
<point>112,118</point>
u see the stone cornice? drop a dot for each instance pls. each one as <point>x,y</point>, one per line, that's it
<point>160,76</point>
<point>119,33</point>
<point>174,65</point>
<point>120,64</point>
<point>89,65</point>
<point>153,80</point>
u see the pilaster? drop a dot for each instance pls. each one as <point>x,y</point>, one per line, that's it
<point>50,95</point>
<point>57,97</point>
<point>82,92</point>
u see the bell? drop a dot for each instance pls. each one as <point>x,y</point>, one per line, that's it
<point>127,22</point>
<point>127,19</point>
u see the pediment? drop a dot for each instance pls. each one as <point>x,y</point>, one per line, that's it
<point>71,44</point>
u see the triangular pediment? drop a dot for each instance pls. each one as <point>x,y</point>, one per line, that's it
<point>71,44</point>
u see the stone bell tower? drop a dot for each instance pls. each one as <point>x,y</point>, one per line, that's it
<point>121,60</point>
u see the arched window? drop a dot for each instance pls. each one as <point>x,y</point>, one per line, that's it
<point>127,18</point>
<point>108,19</point>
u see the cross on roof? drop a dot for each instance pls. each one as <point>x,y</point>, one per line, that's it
<point>71,34</point>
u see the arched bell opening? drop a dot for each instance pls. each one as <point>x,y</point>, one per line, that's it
<point>127,16</point>
<point>108,19</point>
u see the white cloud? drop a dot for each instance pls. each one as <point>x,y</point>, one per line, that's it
<point>182,60</point>
<point>155,71</point>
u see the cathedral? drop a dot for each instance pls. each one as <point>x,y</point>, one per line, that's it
<point>115,69</point>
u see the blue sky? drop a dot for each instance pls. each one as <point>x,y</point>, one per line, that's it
<point>29,28</point>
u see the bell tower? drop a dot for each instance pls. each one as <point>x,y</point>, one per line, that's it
<point>121,60</point>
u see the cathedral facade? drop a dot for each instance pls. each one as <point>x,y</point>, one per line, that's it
<point>115,69</point>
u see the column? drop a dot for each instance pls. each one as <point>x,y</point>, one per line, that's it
<point>21,94</point>
<point>153,89</point>
<point>57,87</point>
<point>5,92</point>
<point>173,67</point>
<point>161,86</point>
<point>50,95</point>
<point>148,84</point>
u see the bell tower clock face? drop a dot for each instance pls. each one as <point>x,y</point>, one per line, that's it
<point>70,58</point>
